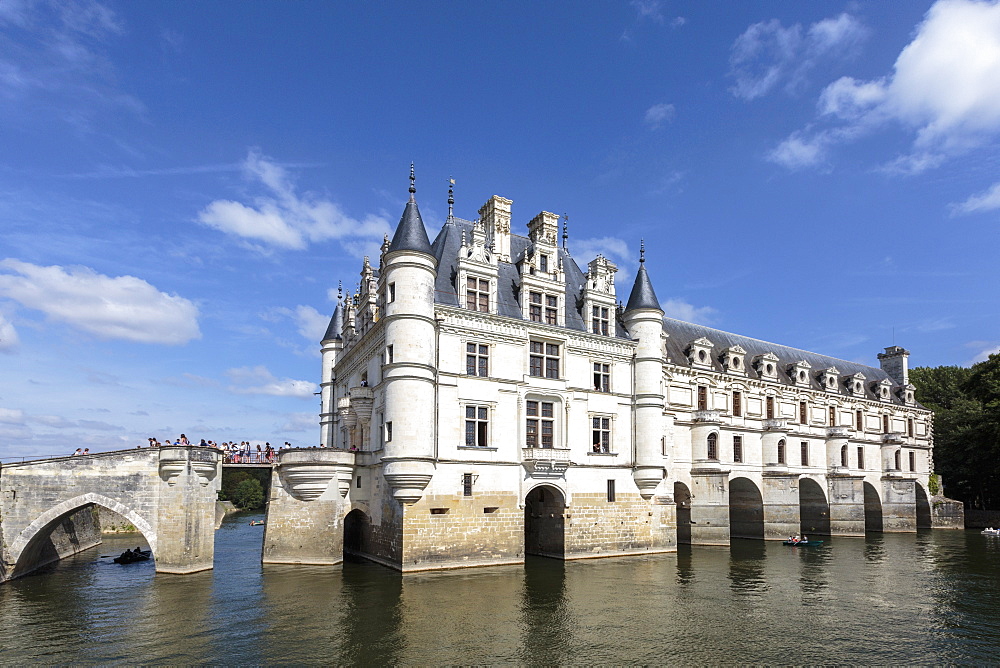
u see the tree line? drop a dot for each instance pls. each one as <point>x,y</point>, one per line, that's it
<point>966,405</point>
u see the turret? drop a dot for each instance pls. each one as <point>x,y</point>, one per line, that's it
<point>407,282</point>
<point>644,321</point>
<point>330,349</point>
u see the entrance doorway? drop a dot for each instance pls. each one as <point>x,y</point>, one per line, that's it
<point>545,523</point>
<point>357,533</point>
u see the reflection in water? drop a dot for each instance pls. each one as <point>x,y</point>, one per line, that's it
<point>886,598</point>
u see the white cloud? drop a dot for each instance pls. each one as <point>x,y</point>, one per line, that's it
<point>649,9</point>
<point>945,88</point>
<point>301,422</point>
<point>8,335</point>
<point>984,350</point>
<point>282,217</point>
<point>768,54</point>
<point>258,380</point>
<point>121,307</point>
<point>989,200</point>
<point>800,150</point>
<point>681,310</point>
<point>11,416</point>
<point>659,114</point>
<point>311,323</point>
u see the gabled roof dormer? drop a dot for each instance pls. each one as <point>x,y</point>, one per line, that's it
<point>766,366</point>
<point>699,353</point>
<point>799,373</point>
<point>906,394</point>
<point>599,297</point>
<point>477,271</point>
<point>883,390</point>
<point>828,379</point>
<point>734,360</point>
<point>856,384</point>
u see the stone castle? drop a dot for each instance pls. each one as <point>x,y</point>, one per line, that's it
<point>485,397</point>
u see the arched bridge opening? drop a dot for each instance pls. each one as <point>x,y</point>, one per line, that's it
<point>746,509</point>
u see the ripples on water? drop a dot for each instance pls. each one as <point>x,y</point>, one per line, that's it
<point>890,598</point>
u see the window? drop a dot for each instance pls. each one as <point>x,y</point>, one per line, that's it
<point>859,420</point>
<point>611,491</point>
<point>909,427</point>
<point>885,425</point>
<point>601,434</point>
<point>913,461</point>
<point>391,296</point>
<point>803,413</point>
<point>861,457</point>
<point>843,456</point>
<point>543,362</point>
<point>769,408</point>
<point>737,404</point>
<point>702,398</point>
<point>388,431</point>
<point>540,424</point>
<point>713,446</point>
<point>477,294</point>
<point>543,262</point>
<point>551,310</point>
<point>358,485</point>
<point>781,451</point>
<point>599,320</point>
<point>833,418</point>
<point>535,306</point>
<point>602,377</point>
<point>388,355</point>
<point>466,484</point>
<point>477,426</point>
<point>477,359</point>
<point>899,464</point>
<point>737,448</point>
<point>805,453</point>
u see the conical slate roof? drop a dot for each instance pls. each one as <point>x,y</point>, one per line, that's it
<point>642,295</point>
<point>336,324</point>
<point>411,234</point>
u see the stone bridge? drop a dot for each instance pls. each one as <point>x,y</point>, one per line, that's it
<point>47,507</point>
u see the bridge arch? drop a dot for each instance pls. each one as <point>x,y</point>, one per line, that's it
<point>814,510</point>
<point>746,509</point>
<point>923,508</point>
<point>873,508</point>
<point>28,541</point>
<point>544,521</point>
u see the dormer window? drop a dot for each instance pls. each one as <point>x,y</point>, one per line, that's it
<point>700,352</point>
<point>882,388</point>
<point>543,308</point>
<point>828,378</point>
<point>856,384</point>
<point>600,319</point>
<point>906,394</point>
<point>799,373</point>
<point>767,366</point>
<point>543,263</point>
<point>732,359</point>
<point>477,294</point>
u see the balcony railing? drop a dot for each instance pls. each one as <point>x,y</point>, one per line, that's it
<point>711,415</point>
<point>545,461</point>
<point>775,424</point>
<point>893,438</point>
<point>837,432</point>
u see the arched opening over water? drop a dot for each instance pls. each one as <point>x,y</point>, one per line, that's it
<point>544,522</point>
<point>923,508</point>
<point>68,528</point>
<point>814,511</point>
<point>873,509</point>
<point>682,496</point>
<point>357,533</point>
<point>746,509</point>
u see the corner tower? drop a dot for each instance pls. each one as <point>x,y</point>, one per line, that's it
<point>644,321</point>
<point>330,349</point>
<point>409,270</point>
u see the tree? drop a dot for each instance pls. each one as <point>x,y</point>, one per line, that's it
<point>249,494</point>
<point>966,403</point>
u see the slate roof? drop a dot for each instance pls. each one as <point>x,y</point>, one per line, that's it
<point>411,233</point>
<point>336,324</point>
<point>642,295</point>
<point>680,335</point>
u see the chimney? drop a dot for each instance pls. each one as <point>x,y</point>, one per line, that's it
<point>894,362</point>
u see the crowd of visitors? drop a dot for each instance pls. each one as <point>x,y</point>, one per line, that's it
<point>243,452</point>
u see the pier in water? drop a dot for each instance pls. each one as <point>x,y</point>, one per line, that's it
<point>929,597</point>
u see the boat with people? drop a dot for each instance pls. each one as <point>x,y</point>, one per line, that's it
<point>132,556</point>
<point>256,523</point>
<point>990,531</point>
<point>801,541</point>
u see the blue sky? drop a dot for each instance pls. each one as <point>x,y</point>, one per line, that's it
<point>182,185</point>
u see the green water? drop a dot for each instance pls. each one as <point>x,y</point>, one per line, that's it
<point>926,598</point>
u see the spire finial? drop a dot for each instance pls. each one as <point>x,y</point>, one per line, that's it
<point>340,291</point>
<point>451,196</point>
<point>413,181</point>
<point>642,251</point>
<point>565,229</point>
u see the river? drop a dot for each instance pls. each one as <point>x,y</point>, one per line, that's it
<point>931,597</point>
